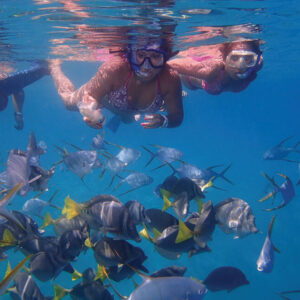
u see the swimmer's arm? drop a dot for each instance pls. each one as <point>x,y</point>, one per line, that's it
<point>97,87</point>
<point>173,102</point>
<point>207,70</point>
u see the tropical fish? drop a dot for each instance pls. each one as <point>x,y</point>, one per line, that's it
<point>91,288</point>
<point>234,215</point>
<point>280,152</point>
<point>109,252</point>
<point>225,278</point>
<point>35,206</point>
<point>135,180</point>
<point>286,189</point>
<point>164,154</point>
<point>165,288</point>
<point>137,212</point>
<point>98,142</point>
<point>25,288</point>
<point>104,212</point>
<point>80,162</point>
<point>128,155</point>
<point>159,220</point>
<point>265,260</point>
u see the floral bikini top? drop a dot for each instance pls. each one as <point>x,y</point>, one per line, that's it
<point>119,99</point>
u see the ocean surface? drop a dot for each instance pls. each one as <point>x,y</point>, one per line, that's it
<point>231,128</point>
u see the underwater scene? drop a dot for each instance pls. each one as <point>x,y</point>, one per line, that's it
<point>149,149</point>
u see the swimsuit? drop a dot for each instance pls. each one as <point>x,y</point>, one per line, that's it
<point>119,99</point>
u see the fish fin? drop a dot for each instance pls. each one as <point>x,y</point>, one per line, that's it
<point>184,233</point>
<point>71,208</point>
<point>271,180</point>
<point>47,220</point>
<point>8,270</point>
<point>284,176</point>
<point>200,204</point>
<point>111,182</point>
<point>271,226</point>
<point>102,173</point>
<point>275,208</point>
<point>112,286</point>
<point>129,191</point>
<point>88,243</point>
<point>60,292</point>
<point>166,195</point>
<point>8,239</point>
<point>160,166</point>
<point>100,274</point>
<point>280,144</point>
<point>151,158</point>
<point>208,184</point>
<point>223,172</point>
<point>10,275</point>
<point>275,249</point>
<point>74,146</point>
<point>76,275</point>
<point>268,196</point>
<point>145,234</point>
<point>136,285</point>
<point>290,160</point>
<point>10,194</point>
<point>156,233</point>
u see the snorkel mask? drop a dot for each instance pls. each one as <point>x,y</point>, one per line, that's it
<point>146,57</point>
<point>241,59</point>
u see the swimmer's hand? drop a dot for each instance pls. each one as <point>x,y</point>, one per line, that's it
<point>153,121</point>
<point>92,115</point>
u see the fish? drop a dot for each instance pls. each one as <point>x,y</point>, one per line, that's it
<point>280,152</point>
<point>164,154</point>
<point>11,274</point>
<point>159,220</point>
<point>225,278</point>
<point>109,253</point>
<point>169,271</point>
<point>104,212</point>
<point>98,142</point>
<point>265,261</point>
<point>135,180</point>
<point>25,288</point>
<point>35,206</point>
<point>234,215</point>
<point>128,155</point>
<point>91,288</point>
<point>137,212</point>
<point>286,189</point>
<point>165,288</point>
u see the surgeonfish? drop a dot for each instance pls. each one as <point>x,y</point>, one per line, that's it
<point>225,278</point>
<point>265,260</point>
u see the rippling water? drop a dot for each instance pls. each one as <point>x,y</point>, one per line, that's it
<point>230,128</point>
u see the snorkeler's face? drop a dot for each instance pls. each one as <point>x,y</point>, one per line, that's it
<point>239,64</point>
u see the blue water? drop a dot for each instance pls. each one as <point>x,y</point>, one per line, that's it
<point>229,128</point>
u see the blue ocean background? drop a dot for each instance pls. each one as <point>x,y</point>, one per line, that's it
<point>231,128</point>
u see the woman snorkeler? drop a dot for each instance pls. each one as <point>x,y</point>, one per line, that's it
<point>139,82</point>
<point>232,69</point>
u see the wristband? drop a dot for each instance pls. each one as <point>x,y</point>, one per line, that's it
<point>165,122</point>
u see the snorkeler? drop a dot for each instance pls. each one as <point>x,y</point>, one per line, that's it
<point>13,84</point>
<point>232,70</point>
<point>139,82</point>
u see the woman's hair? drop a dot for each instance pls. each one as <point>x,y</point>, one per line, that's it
<point>252,45</point>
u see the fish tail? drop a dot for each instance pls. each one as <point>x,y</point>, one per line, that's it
<point>166,198</point>
<point>8,239</point>
<point>47,220</point>
<point>59,292</point>
<point>71,208</point>
<point>223,172</point>
<point>76,275</point>
<point>184,233</point>
<point>151,158</point>
<point>100,274</point>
